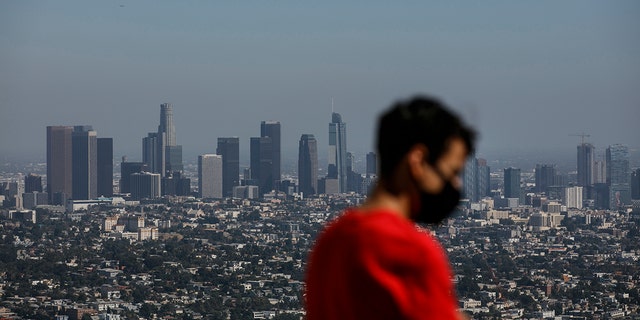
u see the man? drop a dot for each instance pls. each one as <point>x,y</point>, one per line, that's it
<point>373,262</point>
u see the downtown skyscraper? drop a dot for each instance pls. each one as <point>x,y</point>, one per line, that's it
<point>308,165</point>
<point>210,176</point>
<point>261,162</point>
<point>59,164</point>
<point>586,154</point>
<point>337,169</point>
<point>78,163</point>
<point>159,149</point>
<point>85,163</point>
<point>512,183</point>
<point>272,130</point>
<point>618,176</point>
<point>229,149</point>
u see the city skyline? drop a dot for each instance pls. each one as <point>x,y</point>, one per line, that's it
<point>525,76</point>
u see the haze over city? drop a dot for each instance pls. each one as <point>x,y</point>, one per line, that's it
<point>526,75</point>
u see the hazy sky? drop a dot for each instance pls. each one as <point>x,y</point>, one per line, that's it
<point>526,75</point>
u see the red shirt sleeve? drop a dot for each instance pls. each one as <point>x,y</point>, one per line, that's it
<point>378,266</point>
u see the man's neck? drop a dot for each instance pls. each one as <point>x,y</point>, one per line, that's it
<point>383,199</point>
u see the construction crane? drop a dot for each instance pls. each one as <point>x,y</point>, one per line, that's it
<point>583,135</point>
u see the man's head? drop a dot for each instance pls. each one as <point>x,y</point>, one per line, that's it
<point>422,147</point>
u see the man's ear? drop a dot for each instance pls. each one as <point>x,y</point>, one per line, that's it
<point>416,158</point>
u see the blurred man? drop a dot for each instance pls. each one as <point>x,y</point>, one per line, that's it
<point>373,262</point>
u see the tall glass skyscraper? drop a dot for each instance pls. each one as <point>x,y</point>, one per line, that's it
<point>160,150</point>
<point>618,176</point>
<point>261,158</point>
<point>338,151</point>
<point>59,164</point>
<point>308,165</point>
<point>271,129</point>
<point>586,154</point>
<point>229,149</point>
<point>512,183</point>
<point>85,163</point>
<point>166,123</point>
<point>105,167</point>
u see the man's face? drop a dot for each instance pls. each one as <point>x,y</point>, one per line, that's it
<point>449,165</point>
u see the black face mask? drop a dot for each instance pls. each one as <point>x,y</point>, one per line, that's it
<point>435,208</point>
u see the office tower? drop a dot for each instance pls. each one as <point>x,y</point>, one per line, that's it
<point>59,164</point>
<point>512,183</point>
<point>126,170</point>
<point>586,153</point>
<point>308,165</point>
<point>153,153</point>
<point>166,124</point>
<point>261,152</point>
<point>354,179</point>
<point>618,176</point>
<point>229,149</point>
<point>210,176</point>
<point>159,149</point>
<point>85,163</point>
<point>174,184</point>
<point>337,152</point>
<point>469,179</point>
<point>271,129</point>
<point>145,185</point>
<point>174,159</point>
<point>105,167</point>
<point>32,183</point>
<point>372,163</point>
<point>635,184</point>
<point>483,179</point>
<point>600,171</point>
<point>573,197</point>
<point>544,175</point>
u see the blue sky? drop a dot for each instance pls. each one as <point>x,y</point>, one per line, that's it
<point>525,74</point>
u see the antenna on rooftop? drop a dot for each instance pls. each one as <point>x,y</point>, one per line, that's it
<point>331,104</point>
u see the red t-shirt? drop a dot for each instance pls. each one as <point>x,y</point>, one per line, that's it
<point>377,265</point>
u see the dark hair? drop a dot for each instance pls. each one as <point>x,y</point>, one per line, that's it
<point>418,120</point>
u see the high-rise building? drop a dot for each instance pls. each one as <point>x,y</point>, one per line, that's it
<point>229,149</point>
<point>85,163</point>
<point>476,179</point>
<point>271,129</point>
<point>573,197</point>
<point>173,159</point>
<point>105,167</point>
<point>153,154</point>
<point>635,184</point>
<point>600,171</point>
<point>126,170</point>
<point>372,163</point>
<point>308,165</point>
<point>210,176</point>
<point>544,175</point>
<point>586,153</point>
<point>160,150</point>
<point>338,151</point>
<point>59,164</point>
<point>261,158</point>
<point>470,176</point>
<point>512,183</point>
<point>145,185</point>
<point>166,124</point>
<point>32,183</point>
<point>618,176</point>
<point>483,179</point>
